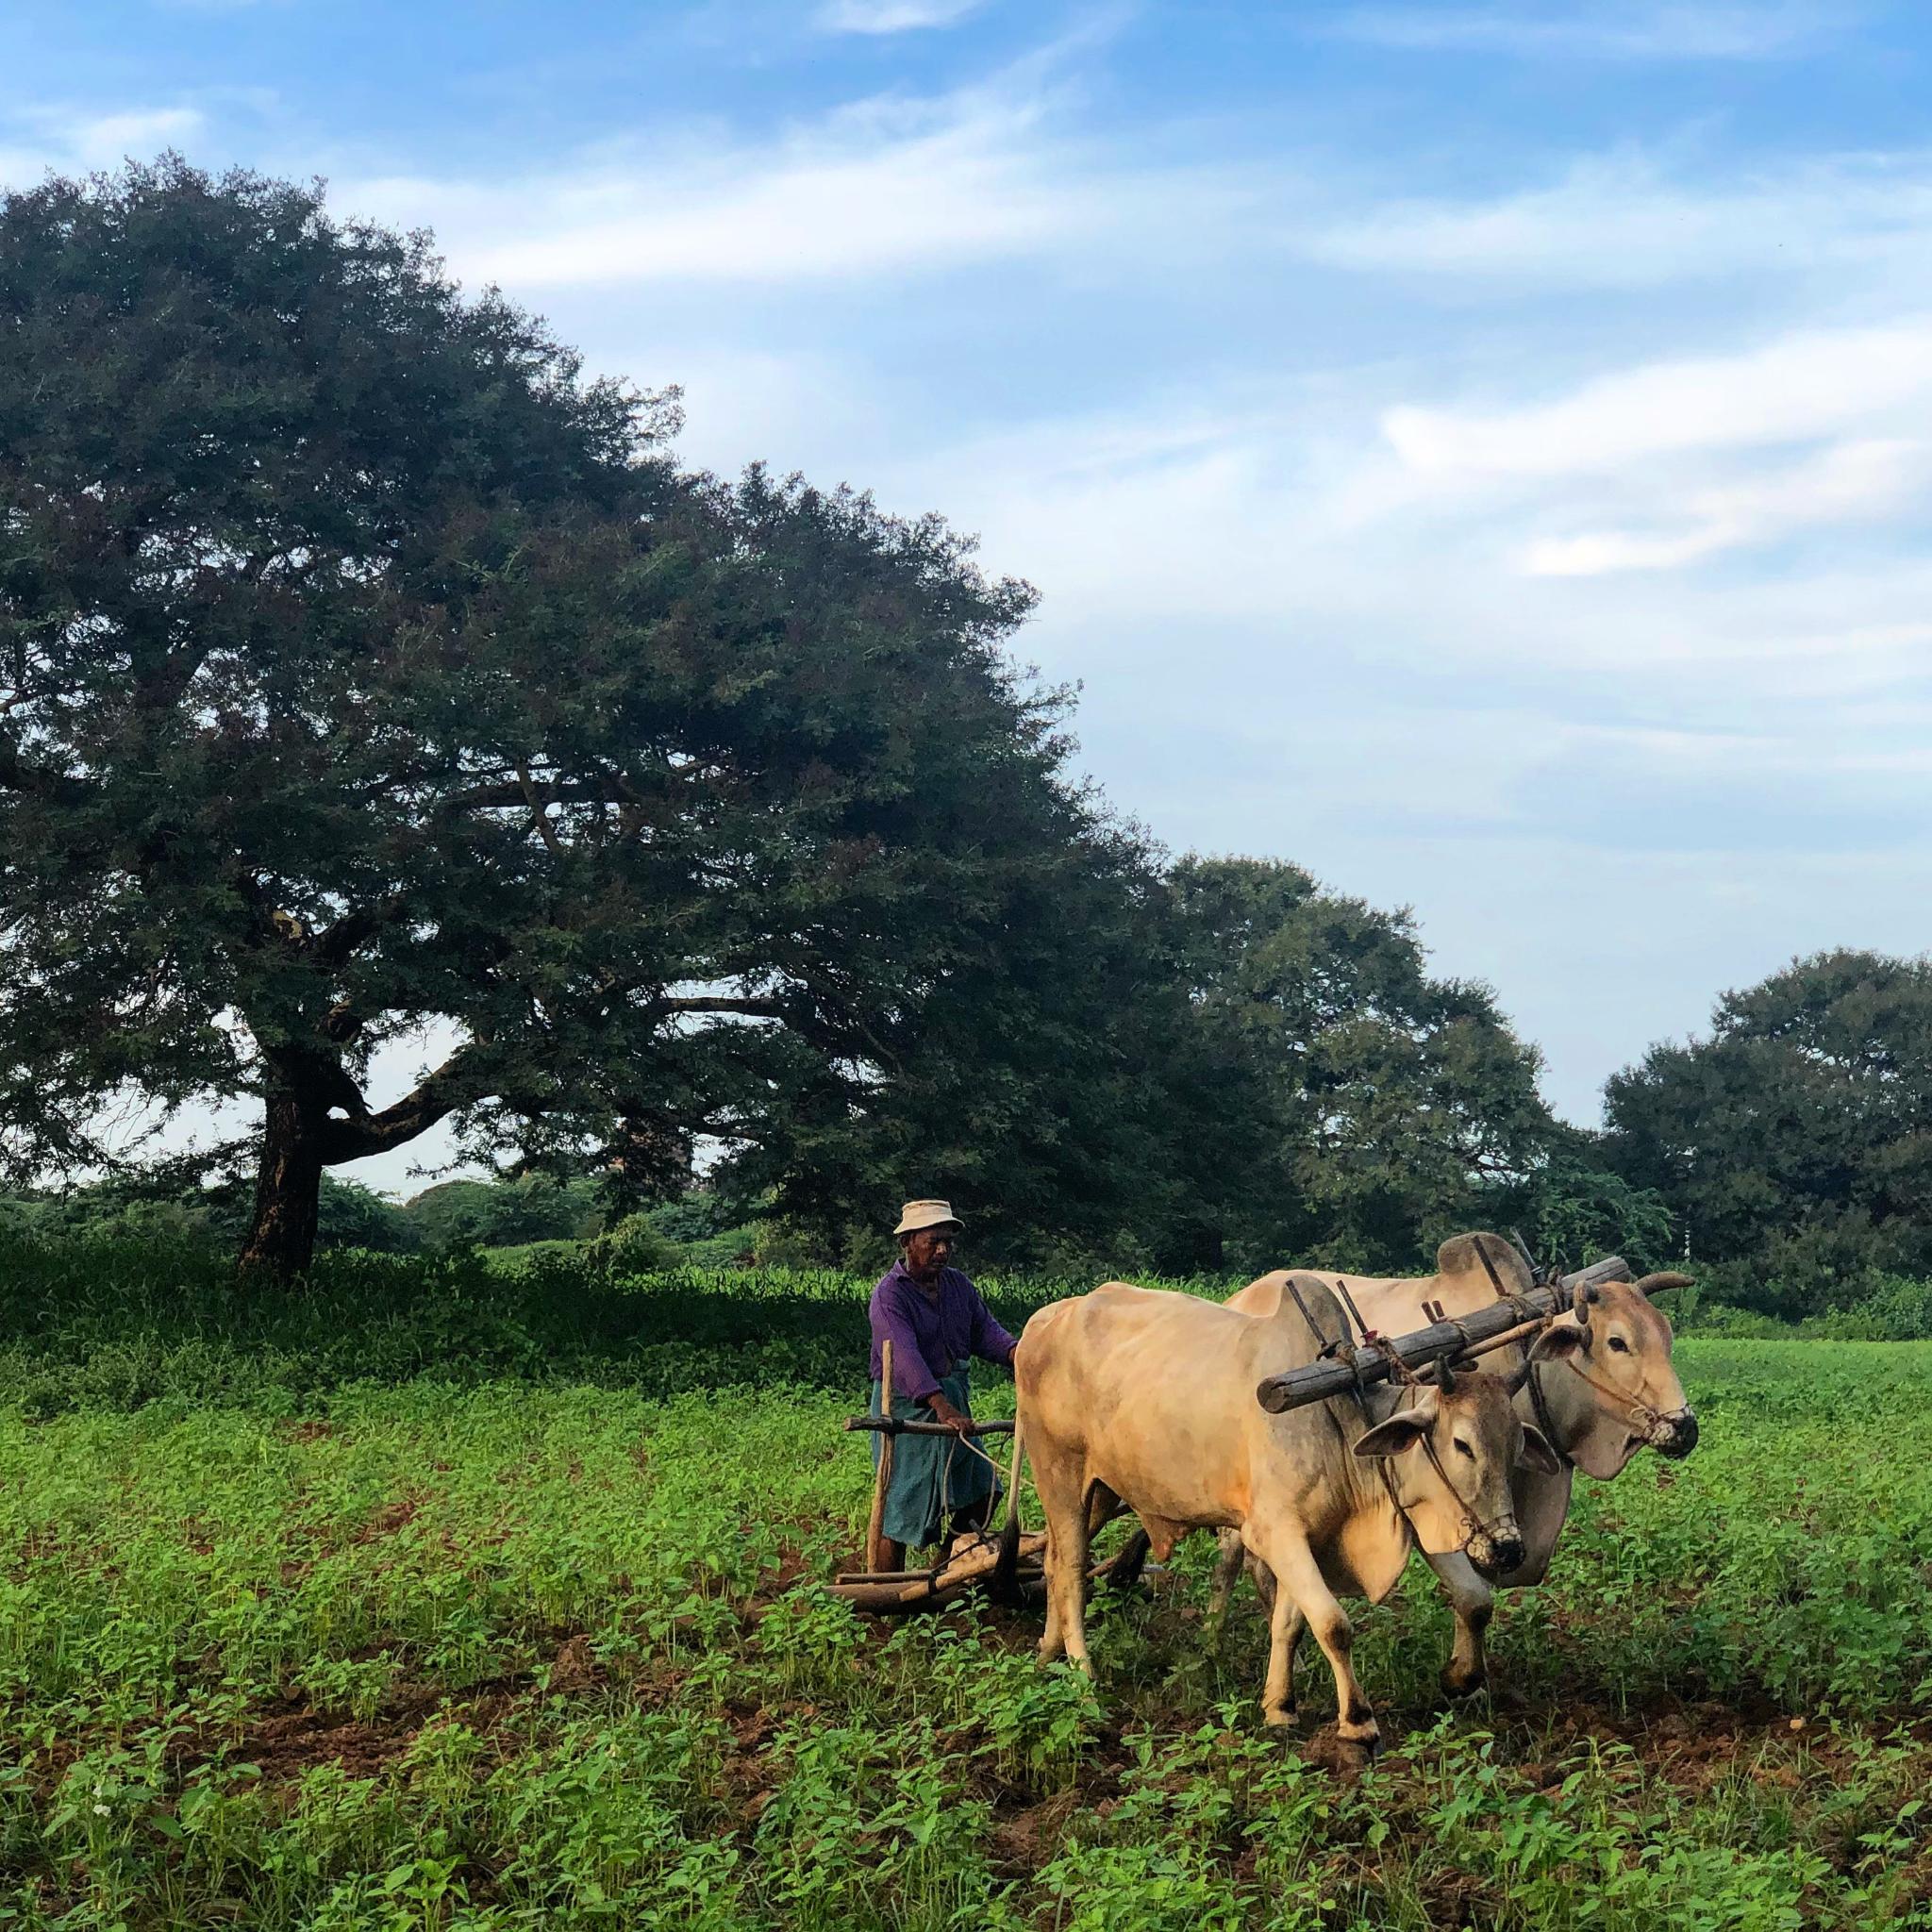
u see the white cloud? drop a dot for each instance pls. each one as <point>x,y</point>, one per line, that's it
<point>1846,482</point>
<point>1807,385</point>
<point>1664,465</point>
<point>891,16</point>
<point>881,187</point>
<point>1624,31</point>
<point>73,140</point>
<point>103,141</point>
<point>1621,221</point>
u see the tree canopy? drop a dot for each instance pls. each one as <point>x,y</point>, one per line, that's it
<point>1794,1143</point>
<point>365,670</point>
<point>1345,1106</point>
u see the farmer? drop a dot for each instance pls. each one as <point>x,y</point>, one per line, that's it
<point>935,1320</point>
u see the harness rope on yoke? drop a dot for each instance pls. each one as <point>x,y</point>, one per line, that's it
<point>1473,1524</point>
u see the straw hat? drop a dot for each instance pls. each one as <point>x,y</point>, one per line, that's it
<point>918,1214</point>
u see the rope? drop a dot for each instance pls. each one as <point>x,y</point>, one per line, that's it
<point>1519,1306</point>
<point>982,1538</point>
<point>1634,1409</point>
<point>1543,1420</point>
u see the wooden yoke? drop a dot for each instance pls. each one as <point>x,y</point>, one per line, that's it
<point>1351,1367</point>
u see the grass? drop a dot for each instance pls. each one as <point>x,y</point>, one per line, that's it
<point>527,1630</point>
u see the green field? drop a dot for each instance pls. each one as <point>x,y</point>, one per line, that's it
<point>281,1646</point>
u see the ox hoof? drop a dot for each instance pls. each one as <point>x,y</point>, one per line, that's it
<point>1282,1717</point>
<point>1458,1686</point>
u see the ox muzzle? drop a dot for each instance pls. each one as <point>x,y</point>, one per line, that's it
<point>1674,1435</point>
<point>1498,1550</point>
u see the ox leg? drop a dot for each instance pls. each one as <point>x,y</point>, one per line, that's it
<point>1272,1599</point>
<point>1103,1506</point>
<point>1302,1594</point>
<point>1123,1572</point>
<point>1066,1505</point>
<point>1227,1572</point>
<point>1264,1589</point>
<point>1474,1602</point>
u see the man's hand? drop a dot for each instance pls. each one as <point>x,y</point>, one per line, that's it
<point>955,1418</point>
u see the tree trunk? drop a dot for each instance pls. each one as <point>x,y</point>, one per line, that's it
<point>288,1189</point>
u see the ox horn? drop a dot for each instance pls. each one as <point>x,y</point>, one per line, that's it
<point>1446,1375</point>
<point>1513,1381</point>
<point>1661,1284</point>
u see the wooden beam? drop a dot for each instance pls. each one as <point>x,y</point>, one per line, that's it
<point>1350,1367</point>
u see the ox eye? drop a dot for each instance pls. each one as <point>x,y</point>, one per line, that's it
<point>1464,1448</point>
<point>1619,1346</point>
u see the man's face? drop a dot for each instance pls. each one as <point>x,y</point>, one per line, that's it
<point>929,1250</point>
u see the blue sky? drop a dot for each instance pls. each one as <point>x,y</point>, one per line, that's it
<point>1479,451</point>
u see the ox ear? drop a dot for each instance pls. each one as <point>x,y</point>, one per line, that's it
<point>1661,1284</point>
<point>1402,1430</point>
<point>1537,1451</point>
<point>1558,1344</point>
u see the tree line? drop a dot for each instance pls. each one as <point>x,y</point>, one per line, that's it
<point>368,674</point>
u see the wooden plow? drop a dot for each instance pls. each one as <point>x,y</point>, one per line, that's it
<point>1009,1568</point>
<point>1009,1565</point>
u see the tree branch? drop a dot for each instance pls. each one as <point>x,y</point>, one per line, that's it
<point>706,1003</point>
<point>438,1095</point>
<point>335,945</point>
<point>540,811</point>
<point>58,786</point>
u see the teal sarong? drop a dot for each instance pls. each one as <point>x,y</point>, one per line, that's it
<point>933,1477</point>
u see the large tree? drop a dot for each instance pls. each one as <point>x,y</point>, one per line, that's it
<point>365,670</point>
<point>1335,1101</point>
<point>1794,1143</point>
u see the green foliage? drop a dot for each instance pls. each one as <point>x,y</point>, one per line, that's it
<point>635,1246</point>
<point>136,1208</point>
<point>1792,1142</point>
<point>1891,1309</point>
<point>1336,1104</point>
<point>503,1213</point>
<point>1572,1209</point>
<point>120,1323</point>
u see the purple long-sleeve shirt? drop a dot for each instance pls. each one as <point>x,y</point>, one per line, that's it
<point>930,1333</point>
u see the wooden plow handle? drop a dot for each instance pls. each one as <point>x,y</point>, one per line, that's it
<point>882,1475</point>
<point>893,1425</point>
<point>1350,1368</point>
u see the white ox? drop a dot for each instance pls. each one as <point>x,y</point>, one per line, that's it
<point>1600,1392</point>
<point>1136,1397</point>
